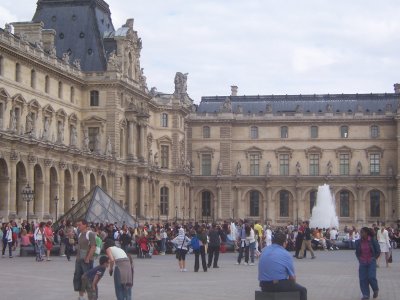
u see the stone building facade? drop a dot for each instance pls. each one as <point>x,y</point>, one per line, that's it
<point>75,112</point>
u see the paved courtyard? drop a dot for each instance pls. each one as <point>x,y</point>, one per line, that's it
<point>333,275</point>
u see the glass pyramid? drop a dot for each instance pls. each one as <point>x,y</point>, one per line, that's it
<point>98,207</point>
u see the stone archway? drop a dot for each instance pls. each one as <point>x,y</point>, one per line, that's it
<point>53,191</point>
<point>20,183</point>
<point>39,191</point>
<point>4,184</point>
<point>67,191</point>
<point>92,181</point>
<point>104,183</point>
<point>81,186</point>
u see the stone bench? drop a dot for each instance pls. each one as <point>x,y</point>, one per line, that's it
<point>260,295</point>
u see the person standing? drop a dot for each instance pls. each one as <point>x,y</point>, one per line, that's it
<point>276,270</point>
<point>39,239</point>
<point>7,240</point>
<point>181,242</point>
<point>214,245</point>
<point>198,244</point>
<point>259,229</point>
<point>306,241</point>
<point>241,239</point>
<point>384,244</point>
<point>49,239</point>
<point>163,237</point>
<point>84,255</point>
<point>367,251</point>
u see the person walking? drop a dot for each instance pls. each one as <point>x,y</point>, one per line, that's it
<point>49,239</point>
<point>214,245</point>
<point>39,239</point>
<point>181,242</point>
<point>276,270</point>
<point>7,240</point>
<point>306,241</point>
<point>241,239</point>
<point>384,244</point>
<point>367,251</point>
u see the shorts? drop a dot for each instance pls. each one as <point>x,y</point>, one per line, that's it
<point>181,254</point>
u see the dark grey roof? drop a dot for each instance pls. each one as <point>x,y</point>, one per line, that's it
<point>337,103</point>
<point>79,25</point>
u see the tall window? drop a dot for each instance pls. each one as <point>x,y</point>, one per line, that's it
<point>47,84</point>
<point>344,163</point>
<point>164,120</point>
<point>284,132</point>
<point>375,203</point>
<point>284,204</point>
<point>206,132</point>
<point>254,203</point>
<point>284,164</point>
<point>374,131</point>
<point>255,164</point>
<point>94,98</point>
<point>344,132</point>
<point>1,66</point>
<point>17,72</point>
<point>206,204</point>
<point>164,157</point>
<point>374,164</point>
<point>33,79</point>
<point>72,94</point>
<point>314,132</point>
<point>60,90</point>
<point>313,200</point>
<point>254,132</point>
<point>314,164</point>
<point>344,204</point>
<point>93,132</point>
<point>206,164</point>
<point>164,200</point>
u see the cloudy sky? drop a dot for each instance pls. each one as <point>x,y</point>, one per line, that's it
<point>262,46</point>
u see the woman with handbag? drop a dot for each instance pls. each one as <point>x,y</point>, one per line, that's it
<point>49,239</point>
<point>181,242</point>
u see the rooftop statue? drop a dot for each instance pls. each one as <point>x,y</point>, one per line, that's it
<point>180,83</point>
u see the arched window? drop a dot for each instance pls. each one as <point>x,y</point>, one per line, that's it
<point>254,203</point>
<point>60,90</point>
<point>284,204</point>
<point>254,132</point>
<point>344,204</point>
<point>47,84</point>
<point>344,132</point>
<point>206,132</point>
<point>72,94</point>
<point>94,98</point>
<point>17,72</point>
<point>164,200</point>
<point>284,132</point>
<point>33,79</point>
<point>375,203</point>
<point>374,131</point>
<point>206,204</point>
<point>313,200</point>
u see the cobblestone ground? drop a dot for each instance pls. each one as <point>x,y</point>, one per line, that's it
<point>333,275</point>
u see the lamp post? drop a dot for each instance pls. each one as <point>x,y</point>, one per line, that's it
<point>72,202</point>
<point>56,203</point>
<point>176,214</point>
<point>183,214</point>
<point>27,195</point>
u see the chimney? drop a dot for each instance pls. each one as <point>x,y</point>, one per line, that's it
<point>234,90</point>
<point>397,88</point>
<point>48,36</point>
<point>32,31</point>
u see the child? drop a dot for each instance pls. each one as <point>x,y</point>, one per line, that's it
<point>92,277</point>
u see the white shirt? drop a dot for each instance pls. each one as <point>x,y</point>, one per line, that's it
<point>118,253</point>
<point>333,233</point>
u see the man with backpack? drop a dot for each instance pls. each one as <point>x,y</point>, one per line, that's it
<point>198,242</point>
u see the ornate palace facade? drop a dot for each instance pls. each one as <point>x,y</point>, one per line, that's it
<point>75,112</point>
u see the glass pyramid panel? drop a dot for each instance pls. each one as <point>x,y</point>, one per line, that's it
<point>98,207</point>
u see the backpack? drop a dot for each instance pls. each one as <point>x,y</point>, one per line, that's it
<point>195,243</point>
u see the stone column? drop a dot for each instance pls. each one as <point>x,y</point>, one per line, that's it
<point>361,202</point>
<point>131,141</point>
<point>74,182</point>
<point>238,210</point>
<point>61,185</point>
<point>265,208</point>
<point>299,213</point>
<point>12,204</point>
<point>131,200</point>
<point>142,199</point>
<point>46,177</point>
<point>218,204</point>
<point>31,179</point>
<point>142,142</point>
<point>271,207</point>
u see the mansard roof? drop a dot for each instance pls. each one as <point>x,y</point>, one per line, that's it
<point>80,26</point>
<point>290,104</point>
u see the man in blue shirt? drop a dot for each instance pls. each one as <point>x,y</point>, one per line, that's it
<point>276,270</point>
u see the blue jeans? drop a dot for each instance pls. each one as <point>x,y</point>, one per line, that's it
<point>252,248</point>
<point>122,292</point>
<point>367,276</point>
<point>163,245</point>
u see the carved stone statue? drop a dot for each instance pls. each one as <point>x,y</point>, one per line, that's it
<point>60,133</point>
<point>74,136</point>
<point>219,168</point>
<point>46,129</point>
<point>109,147</point>
<point>77,63</point>
<point>268,108</point>
<point>29,124</point>
<point>390,170</point>
<point>156,159</point>
<point>85,140</point>
<point>359,168</point>
<point>238,168</point>
<point>97,143</point>
<point>13,120</point>
<point>180,83</point>
<point>329,108</point>
<point>189,166</point>
<point>268,172</point>
<point>65,57</point>
<point>113,63</point>
<point>298,168</point>
<point>150,158</point>
<point>53,52</point>
<point>227,105</point>
<point>329,167</point>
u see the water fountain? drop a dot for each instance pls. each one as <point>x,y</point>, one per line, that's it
<point>324,212</point>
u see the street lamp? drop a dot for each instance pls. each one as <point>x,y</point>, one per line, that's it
<point>72,202</point>
<point>183,214</point>
<point>176,214</point>
<point>27,195</point>
<point>56,203</point>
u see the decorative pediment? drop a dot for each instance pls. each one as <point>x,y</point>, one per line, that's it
<point>34,105</point>
<point>343,149</point>
<point>205,150</point>
<point>61,114</point>
<point>253,150</point>
<point>73,119</point>
<point>164,140</point>
<point>283,150</point>
<point>4,95</point>
<point>18,99</point>
<point>94,121</point>
<point>123,123</point>
<point>313,150</point>
<point>374,149</point>
<point>48,110</point>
